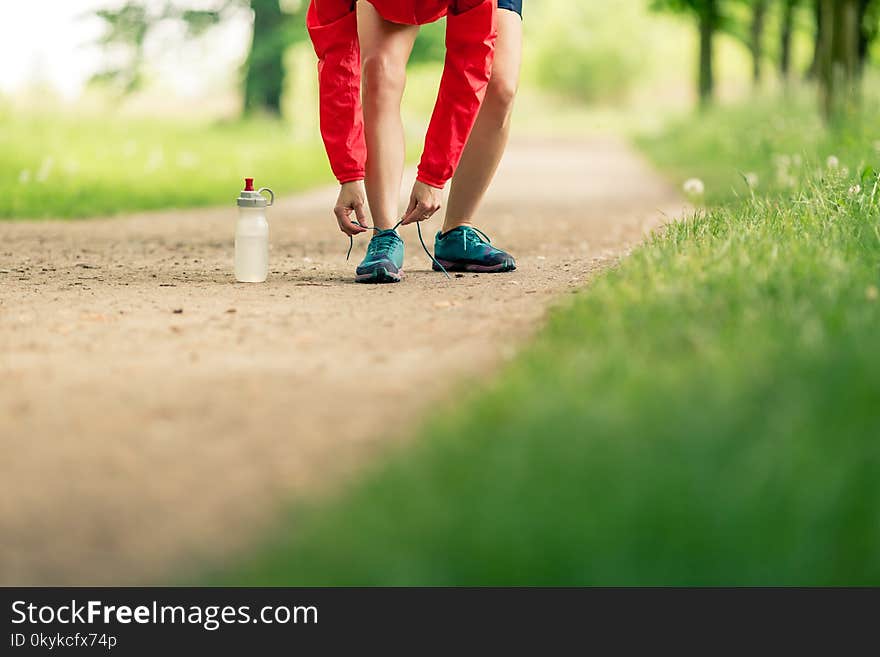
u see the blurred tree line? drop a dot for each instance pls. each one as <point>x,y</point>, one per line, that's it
<point>843,32</point>
<point>276,26</point>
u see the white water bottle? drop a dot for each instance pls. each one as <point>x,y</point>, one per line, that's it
<point>252,234</point>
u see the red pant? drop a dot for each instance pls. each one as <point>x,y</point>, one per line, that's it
<point>470,46</point>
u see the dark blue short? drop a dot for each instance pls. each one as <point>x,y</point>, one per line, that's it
<point>511,5</point>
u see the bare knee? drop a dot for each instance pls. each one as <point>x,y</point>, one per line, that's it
<point>500,96</point>
<point>384,79</point>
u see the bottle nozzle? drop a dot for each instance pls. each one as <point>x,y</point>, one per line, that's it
<point>248,184</point>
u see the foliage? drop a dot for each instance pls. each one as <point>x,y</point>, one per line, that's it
<point>578,58</point>
<point>710,18</point>
<point>129,26</point>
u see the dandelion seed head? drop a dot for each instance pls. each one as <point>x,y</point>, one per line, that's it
<point>694,187</point>
<point>832,162</point>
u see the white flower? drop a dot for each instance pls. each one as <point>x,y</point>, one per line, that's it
<point>855,190</point>
<point>24,177</point>
<point>694,187</point>
<point>832,162</point>
<point>752,179</point>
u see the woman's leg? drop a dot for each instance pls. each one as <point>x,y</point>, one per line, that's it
<point>489,138</point>
<point>385,51</point>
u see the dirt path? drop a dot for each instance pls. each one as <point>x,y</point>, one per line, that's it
<point>153,413</point>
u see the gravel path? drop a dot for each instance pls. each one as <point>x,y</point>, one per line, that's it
<point>155,414</point>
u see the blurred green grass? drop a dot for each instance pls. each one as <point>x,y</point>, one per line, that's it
<point>73,163</point>
<point>777,146</point>
<point>708,413</point>
<point>68,165</point>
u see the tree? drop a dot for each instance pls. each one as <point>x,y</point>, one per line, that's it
<point>868,29</point>
<point>709,19</point>
<point>264,67</point>
<point>785,37</point>
<point>746,21</point>
<point>838,55</point>
<point>128,27</point>
<point>756,38</point>
<point>818,38</point>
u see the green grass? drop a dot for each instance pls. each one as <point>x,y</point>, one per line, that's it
<point>56,165</point>
<point>784,146</point>
<point>708,413</point>
<point>75,163</point>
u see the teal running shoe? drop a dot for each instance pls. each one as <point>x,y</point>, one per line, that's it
<point>468,249</point>
<point>384,260</point>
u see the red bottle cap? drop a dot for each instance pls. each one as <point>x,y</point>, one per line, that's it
<point>248,184</point>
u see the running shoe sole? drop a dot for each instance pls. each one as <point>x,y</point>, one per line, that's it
<point>379,275</point>
<point>507,265</point>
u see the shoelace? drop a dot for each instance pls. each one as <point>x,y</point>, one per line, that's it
<point>396,226</point>
<point>383,242</point>
<point>466,232</point>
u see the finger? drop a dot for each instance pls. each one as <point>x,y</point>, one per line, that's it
<point>343,218</point>
<point>350,228</point>
<point>413,204</point>
<point>416,213</point>
<point>361,214</point>
<point>421,213</point>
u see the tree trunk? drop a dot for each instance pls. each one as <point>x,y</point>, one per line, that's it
<point>756,45</point>
<point>785,39</point>
<point>819,38</point>
<point>264,68</point>
<point>838,69</point>
<point>708,19</point>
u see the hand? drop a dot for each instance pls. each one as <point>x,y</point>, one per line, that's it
<point>352,200</point>
<point>423,203</point>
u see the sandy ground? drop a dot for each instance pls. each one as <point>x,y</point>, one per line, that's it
<point>154,414</point>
